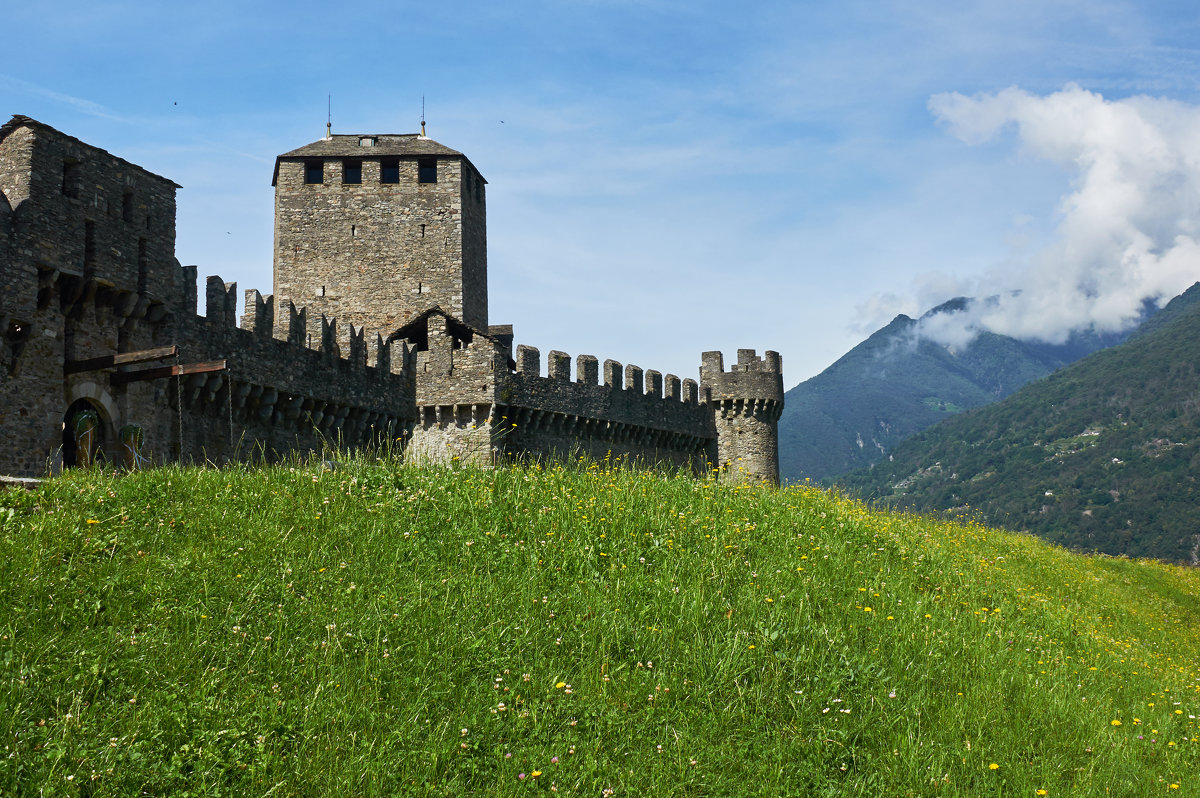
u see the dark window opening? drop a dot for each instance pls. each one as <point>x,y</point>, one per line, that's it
<point>143,264</point>
<point>314,172</point>
<point>422,231</point>
<point>352,172</point>
<point>353,230</point>
<point>70,178</point>
<point>89,246</point>
<point>127,206</point>
<point>389,170</point>
<point>427,170</point>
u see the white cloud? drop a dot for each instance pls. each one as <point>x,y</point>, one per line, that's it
<point>1128,230</point>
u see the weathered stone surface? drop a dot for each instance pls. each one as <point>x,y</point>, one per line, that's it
<point>87,270</point>
<point>377,254</point>
<point>378,328</point>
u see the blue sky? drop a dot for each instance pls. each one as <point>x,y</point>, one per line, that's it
<point>670,177</point>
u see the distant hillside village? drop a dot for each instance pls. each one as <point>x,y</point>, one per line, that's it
<point>377,330</point>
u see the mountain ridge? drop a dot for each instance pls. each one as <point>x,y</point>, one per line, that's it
<point>897,383</point>
<point>1101,455</point>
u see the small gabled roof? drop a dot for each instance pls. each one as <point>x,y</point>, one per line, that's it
<point>416,328</point>
<point>347,145</point>
<point>19,121</point>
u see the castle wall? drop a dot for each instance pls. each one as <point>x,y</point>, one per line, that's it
<point>91,247</point>
<point>72,294</point>
<point>87,272</point>
<point>377,254</point>
<point>473,408</point>
<point>276,396</point>
<point>626,415</point>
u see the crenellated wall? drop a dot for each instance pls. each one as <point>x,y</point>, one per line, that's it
<point>627,414</point>
<point>283,390</point>
<point>97,316</point>
<point>87,272</point>
<point>476,405</point>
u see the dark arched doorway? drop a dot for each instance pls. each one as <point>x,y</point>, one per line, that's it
<point>83,434</point>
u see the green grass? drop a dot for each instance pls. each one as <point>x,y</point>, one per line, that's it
<point>384,630</point>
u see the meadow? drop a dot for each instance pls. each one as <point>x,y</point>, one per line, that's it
<point>587,629</point>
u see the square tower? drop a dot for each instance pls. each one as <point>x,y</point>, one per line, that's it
<point>376,229</point>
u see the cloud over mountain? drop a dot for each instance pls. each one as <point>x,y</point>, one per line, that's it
<point>1128,230</point>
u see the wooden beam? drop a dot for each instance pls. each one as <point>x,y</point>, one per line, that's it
<point>119,359</point>
<point>123,377</point>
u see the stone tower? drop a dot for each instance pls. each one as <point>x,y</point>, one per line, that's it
<point>376,229</point>
<point>746,403</point>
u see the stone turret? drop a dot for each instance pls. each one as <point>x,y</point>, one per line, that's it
<point>746,403</point>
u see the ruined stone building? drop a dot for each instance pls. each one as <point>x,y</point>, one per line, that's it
<point>377,329</point>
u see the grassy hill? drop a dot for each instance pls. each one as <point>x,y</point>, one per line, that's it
<point>380,630</point>
<point>1102,455</point>
<point>896,384</point>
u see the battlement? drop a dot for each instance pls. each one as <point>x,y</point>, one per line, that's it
<point>345,344</point>
<point>630,378</point>
<point>748,361</point>
<point>752,378</point>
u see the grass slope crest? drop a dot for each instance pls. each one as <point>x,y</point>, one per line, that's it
<point>380,630</point>
<point>1101,456</point>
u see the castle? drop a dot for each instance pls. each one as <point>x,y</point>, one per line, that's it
<point>377,329</point>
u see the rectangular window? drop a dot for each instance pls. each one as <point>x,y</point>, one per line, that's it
<point>366,141</point>
<point>427,170</point>
<point>127,206</point>
<point>389,170</point>
<point>143,264</point>
<point>70,178</point>
<point>314,172</point>
<point>89,247</point>
<point>352,171</point>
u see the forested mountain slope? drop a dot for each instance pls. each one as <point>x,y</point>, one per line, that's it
<point>1102,455</point>
<point>897,383</point>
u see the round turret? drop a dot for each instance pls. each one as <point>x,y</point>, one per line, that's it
<point>746,403</point>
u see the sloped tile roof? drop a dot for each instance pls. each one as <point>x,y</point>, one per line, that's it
<point>347,145</point>
<point>344,145</point>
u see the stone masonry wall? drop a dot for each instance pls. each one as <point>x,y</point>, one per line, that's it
<point>90,262</point>
<point>746,402</point>
<point>633,414</point>
<point>88,271</point>
<point>472,407</point>
<point>279,396</point>
<point>378,254</point>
